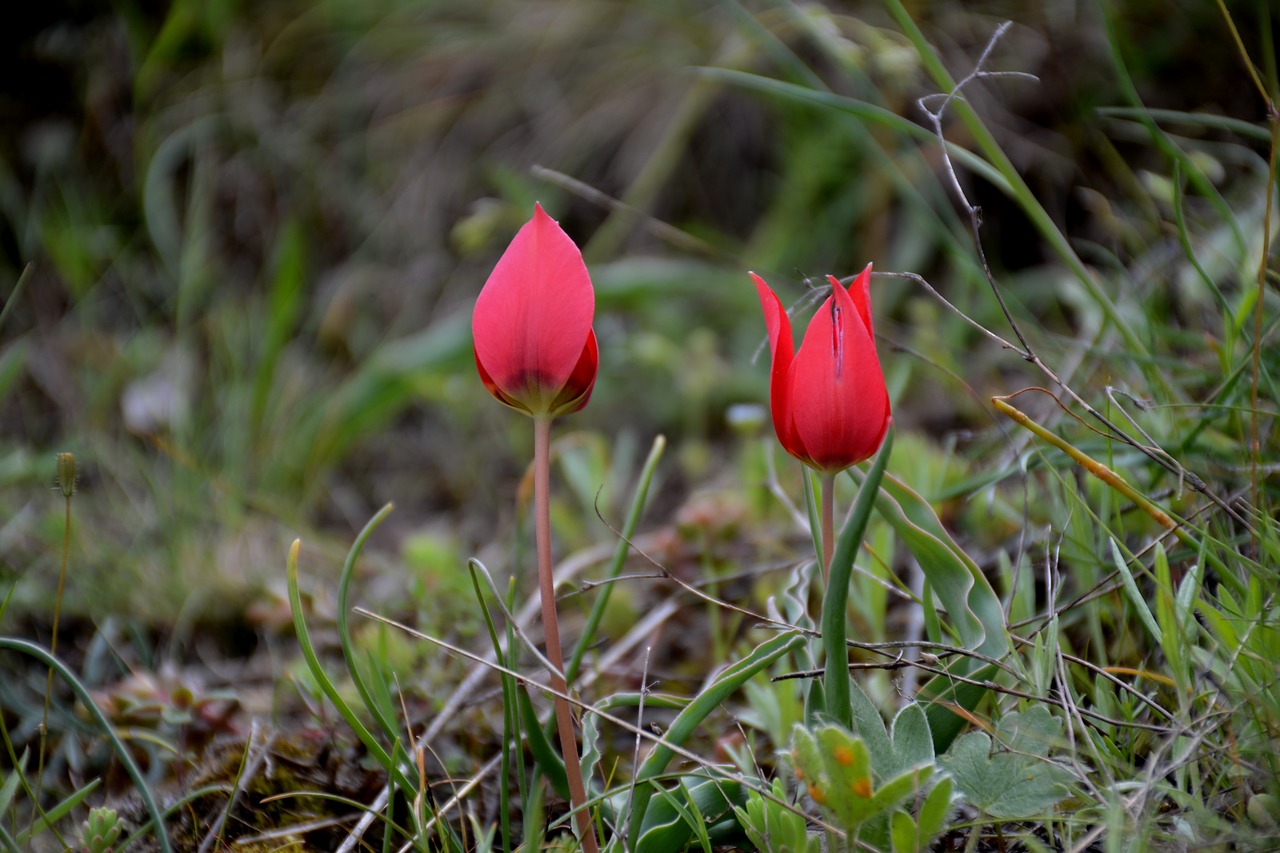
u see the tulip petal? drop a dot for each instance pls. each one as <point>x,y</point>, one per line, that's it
<point>838,399</point>
<point>533,317</point>
<point>860,290</point>
<point>782,351</point>
<point>577,391</point>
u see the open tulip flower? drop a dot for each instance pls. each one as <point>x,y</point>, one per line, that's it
<point>534,345</point>
<point>829,401</point>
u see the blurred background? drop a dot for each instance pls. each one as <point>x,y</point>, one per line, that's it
<point>252,234</point>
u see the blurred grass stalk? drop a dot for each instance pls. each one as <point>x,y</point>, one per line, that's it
<point>66,481</point>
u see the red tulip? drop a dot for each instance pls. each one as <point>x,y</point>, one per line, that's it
<point>829,401</point>
<point>534,345</point>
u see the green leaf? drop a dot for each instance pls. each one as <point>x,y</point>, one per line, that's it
<point>1135,597</point>
<point>325,683</point>
<point>1167,616</point>
<point>834,604</point>
<point>1015,780</point>
<point>620,554</point>
<point>912,740</point>
<point>934,810</point>
<point>670,818</point>
<point>972,605</point>
<point>123,753</point>
<point>869,725</point>
<point>904,835</point>
<point>52,816</point>
<point>383,714</point>
<point>687,721</point>
<point>836,768</point>
<point>10,786</point>
<point>773,827</point>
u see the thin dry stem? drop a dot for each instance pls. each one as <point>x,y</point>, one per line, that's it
<point>1024,348</point>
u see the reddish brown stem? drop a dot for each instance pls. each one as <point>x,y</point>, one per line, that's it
<point>551,629</point>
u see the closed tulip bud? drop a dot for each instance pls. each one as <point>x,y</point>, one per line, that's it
<point>534,346</point>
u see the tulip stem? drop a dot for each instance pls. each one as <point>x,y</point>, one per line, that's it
<point>551,629</point>
<point>828,522</point>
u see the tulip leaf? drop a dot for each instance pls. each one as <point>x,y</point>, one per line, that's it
<point>957,580</point>
<point>971,603</point>
<point>683,726</point>
<point>698,803</point>
<point>591,723</point>
<point>834,603</point>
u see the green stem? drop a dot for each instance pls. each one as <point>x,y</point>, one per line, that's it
<point>53,644</point>
<point>551,629</point>
<point>828,522</point>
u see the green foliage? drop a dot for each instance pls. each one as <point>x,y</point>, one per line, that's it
<point>773,825</point>
<point>836,679</point>
<point>697,810</point>
<point>835,767</point>
<point>1012,778</point>
<point>683,726</point>
<point>101,829</point>
<point>916,834</point>
<point>246,238</point>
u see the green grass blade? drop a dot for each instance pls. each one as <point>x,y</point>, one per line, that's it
<point>694,713</point>
<point>638,501</point>
<point>377,709</point>
<point>282,315</point>
<point>58,812</point>
<point>326,684</point>
<point>82,693</point>
<point>17,291</point>
<point>509,716</point>
<point>544,754</point>
<point>10,786</point>
<point>1135,597</point>
<point>1016,187</point>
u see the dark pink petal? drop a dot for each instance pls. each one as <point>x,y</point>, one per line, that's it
<point>577,391</point>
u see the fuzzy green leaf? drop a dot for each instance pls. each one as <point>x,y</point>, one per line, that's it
<point>1015,780</point>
